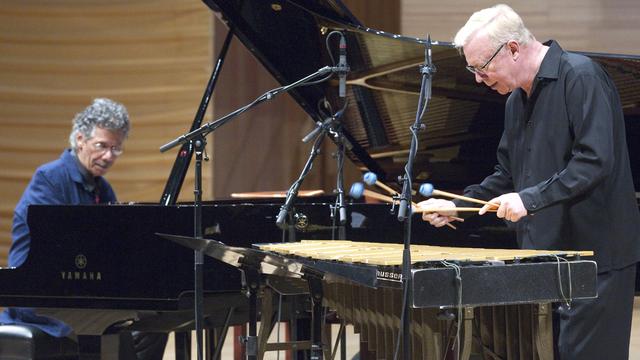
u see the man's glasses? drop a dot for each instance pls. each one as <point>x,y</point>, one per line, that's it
<point>102,148</point>
<point>480,70</point>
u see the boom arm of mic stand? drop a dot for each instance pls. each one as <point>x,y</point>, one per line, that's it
<point>293,191</point>
<point>211,126</point>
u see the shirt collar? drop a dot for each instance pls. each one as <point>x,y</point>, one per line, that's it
<point>550,66</point>
<point>77,171</point>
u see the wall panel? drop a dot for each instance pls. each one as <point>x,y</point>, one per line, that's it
<point>588,25</point>
<point>55,56</point>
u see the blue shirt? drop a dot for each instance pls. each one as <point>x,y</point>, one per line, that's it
<point>60,182</point>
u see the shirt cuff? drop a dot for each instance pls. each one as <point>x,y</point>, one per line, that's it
<point>531,198</point>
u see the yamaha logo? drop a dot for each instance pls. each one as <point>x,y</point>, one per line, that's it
<point>81,261</point>
<point>301,221</point>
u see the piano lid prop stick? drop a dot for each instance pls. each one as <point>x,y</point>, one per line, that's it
<point>357,190</point>
<point>427,190</point>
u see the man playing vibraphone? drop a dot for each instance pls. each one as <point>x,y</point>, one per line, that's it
<point>563,177</point>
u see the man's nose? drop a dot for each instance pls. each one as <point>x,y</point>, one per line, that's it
<point>109,155</point>
<point>479,77</point>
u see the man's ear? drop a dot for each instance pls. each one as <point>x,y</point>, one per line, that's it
<point>79,140</point>
<point>514,49</point>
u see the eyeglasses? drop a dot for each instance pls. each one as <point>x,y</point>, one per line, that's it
<point>480,70</point>
<point>102,148</point>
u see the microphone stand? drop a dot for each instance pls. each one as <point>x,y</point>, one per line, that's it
<point>405,202</point>
<point>197,139</point>
<point>339,207</point>
<point>319,134</point>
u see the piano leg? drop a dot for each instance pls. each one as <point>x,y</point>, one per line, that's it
<point>182,345</point>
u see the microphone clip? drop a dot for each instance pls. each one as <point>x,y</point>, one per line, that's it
<point>427,69</point>
<point>341,69</point>
<point>328,125</point>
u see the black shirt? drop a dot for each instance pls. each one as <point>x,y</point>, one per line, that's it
<point>564,151</point>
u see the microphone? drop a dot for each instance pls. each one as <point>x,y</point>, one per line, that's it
<point>343,68</point>
<point>282,217</point>
<point>320,126</point>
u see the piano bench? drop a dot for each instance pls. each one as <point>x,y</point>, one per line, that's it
<point>22,342</point>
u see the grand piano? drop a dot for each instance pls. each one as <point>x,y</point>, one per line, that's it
<point>103,269</point>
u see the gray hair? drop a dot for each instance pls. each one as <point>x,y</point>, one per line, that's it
<point>103,113</point>
<point>500,23</point>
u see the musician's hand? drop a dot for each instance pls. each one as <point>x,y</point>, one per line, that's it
<point>438,219</point>
<point>510,207</point>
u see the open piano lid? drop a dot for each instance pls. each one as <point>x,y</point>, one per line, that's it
<point>463,121</point>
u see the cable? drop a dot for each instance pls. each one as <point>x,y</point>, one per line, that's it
<point>458,277</point>
<point>565,299</point>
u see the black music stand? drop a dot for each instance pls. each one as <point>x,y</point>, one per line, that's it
<point>254,264</point>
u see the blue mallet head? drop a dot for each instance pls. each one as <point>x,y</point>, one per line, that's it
<point>426,190</point>
<point>370,178</point>
<point>356,191</point>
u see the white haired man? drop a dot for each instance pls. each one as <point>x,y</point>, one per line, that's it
<point>563,158</point>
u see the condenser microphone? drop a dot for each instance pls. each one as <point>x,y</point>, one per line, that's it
<point>343,67</point>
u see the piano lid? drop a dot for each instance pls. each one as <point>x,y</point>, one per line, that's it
<point>463,122</point>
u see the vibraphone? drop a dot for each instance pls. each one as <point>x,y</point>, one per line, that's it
<point>502,297</point>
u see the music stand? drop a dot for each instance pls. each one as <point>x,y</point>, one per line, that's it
<point>254,265</point>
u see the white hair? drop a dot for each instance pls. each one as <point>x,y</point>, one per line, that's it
<point>500,23</point>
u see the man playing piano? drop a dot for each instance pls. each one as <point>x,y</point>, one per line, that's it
<point>96,140</point>
<point>563,178</point>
